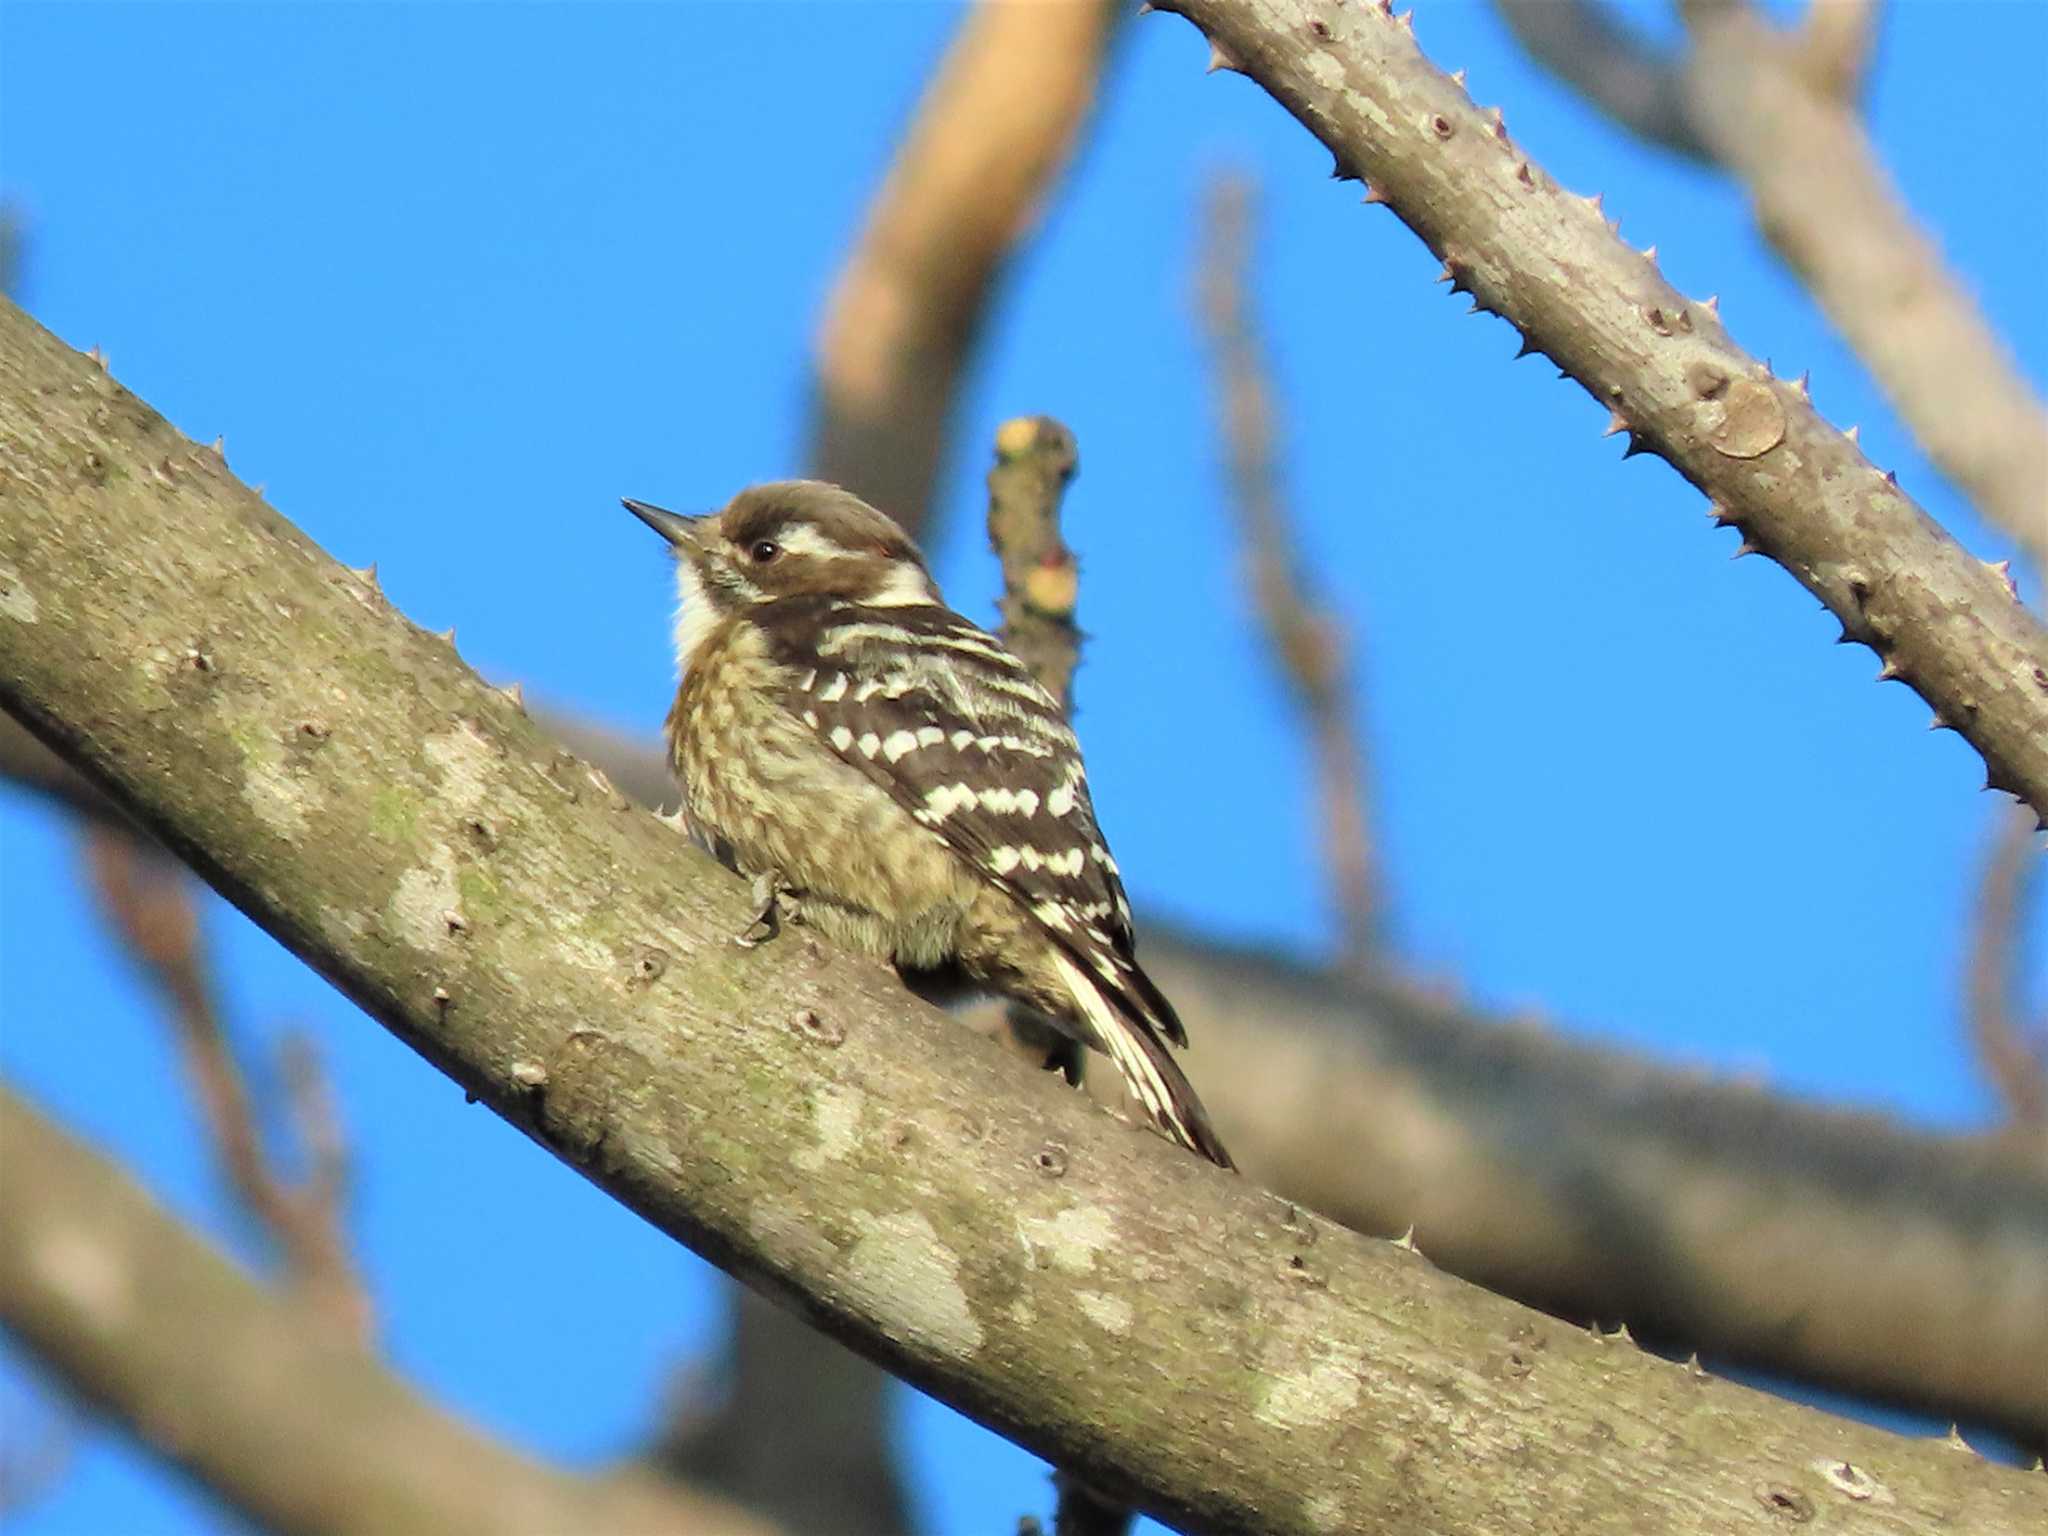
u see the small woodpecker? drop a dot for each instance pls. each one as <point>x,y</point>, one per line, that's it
<point>888,773</point>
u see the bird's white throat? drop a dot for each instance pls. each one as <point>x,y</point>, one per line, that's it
<point>695,618</point>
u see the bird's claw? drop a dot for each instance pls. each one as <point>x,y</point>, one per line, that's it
<point>774,905</point>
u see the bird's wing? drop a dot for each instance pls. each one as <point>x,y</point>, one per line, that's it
<point>934,710</point>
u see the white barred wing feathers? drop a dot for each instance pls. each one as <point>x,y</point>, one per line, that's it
<point>952,725</point>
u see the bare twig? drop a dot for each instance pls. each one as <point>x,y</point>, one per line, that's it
<point>317,1125</point>
<point>995,128</point>
<point>1035,459</point>
<point>1995,984</point>
<point>1669,374</point>
<point>149,903</point>
<point>1306,640</point>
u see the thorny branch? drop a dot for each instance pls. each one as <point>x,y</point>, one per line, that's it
<point>1670,375</point>
<point>1541,1167</point>
<point>1777,110</point>
<point>149,904</point>
<point>1307,641</point>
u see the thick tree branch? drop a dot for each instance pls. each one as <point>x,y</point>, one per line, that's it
<point>1178,1337</point>
<point>1547,1168</point>
<point>250,1390</point>
<point>1668,371</point>
<point>995,129</point>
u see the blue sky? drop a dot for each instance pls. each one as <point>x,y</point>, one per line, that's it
<point>452,278</point>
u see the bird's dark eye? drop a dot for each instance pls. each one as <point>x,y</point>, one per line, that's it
<point>761,551</point>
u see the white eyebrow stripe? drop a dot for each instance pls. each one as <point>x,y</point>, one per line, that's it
<point>803,539</point>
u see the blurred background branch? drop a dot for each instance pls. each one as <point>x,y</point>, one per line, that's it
<point>148,901</point>
<point>2011,1044</point>
<point>1306,640</point>
<point>251,1390</point>
<point>968,185</point>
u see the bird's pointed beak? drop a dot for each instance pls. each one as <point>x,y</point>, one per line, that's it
<point>683,532</point>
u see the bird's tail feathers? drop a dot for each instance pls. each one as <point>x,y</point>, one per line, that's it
<point>1141,1059</point>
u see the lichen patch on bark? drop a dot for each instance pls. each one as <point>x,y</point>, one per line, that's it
<point>1312,1396</point>
<point>902,1275</point>
<point>1070,1240</point>
<point>835,1115</point>
<point>427,896</point>
<point>467,763</point>
<point>16,601</point>
<point>1110,1313</point>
